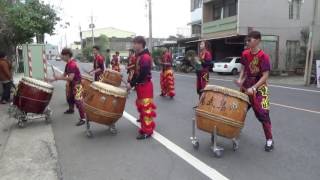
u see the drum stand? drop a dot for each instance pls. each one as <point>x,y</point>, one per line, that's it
<point>217,150</point>
<point>112,129</point>
<point>23,117</point>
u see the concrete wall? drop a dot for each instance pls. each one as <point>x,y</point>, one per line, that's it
<point>271,17</point>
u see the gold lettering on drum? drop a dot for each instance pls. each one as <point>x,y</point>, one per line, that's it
<point>103,98</point>
<point>234,106</point>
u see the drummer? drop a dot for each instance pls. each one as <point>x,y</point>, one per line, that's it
<point>203,73</point>
<point>115,62</point>
<point>166,76</point>
<point>131,65</point>
<point>144,88</point>
<point>98,64</point>
<point>73,76</point>
<point>253,81</point>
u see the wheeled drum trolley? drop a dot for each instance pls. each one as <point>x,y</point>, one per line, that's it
<point>31,101</point>
<point>104,104</point>
<point>220,112</point>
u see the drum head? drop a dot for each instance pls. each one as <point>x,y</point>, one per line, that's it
<point>109,89</point>
<point>230,92</point>
<point>112,71</point>
<point>87,77</point>
<point>38,84</point>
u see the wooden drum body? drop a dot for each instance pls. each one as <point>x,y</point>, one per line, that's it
<point>86,81</point>
<point>112,77</point>
<point>33,96</point>
<point>224,108</point>
<point>104,104</point>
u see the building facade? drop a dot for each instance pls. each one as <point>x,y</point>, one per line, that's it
<point>225,23</point>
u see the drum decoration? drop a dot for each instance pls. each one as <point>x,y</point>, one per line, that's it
<point>221,111</point>
<point>86,81</point>
<point>104,104</point>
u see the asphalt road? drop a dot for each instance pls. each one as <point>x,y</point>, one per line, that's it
<point>295,116</point>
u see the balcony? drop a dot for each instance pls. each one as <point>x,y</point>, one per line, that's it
<point>221,27</point>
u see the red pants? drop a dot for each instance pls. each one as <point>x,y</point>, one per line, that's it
<point>74,97</point>
<point>260,105</point>
<point>146,107</point>
<point>202,80</point>
<point>167,82</point>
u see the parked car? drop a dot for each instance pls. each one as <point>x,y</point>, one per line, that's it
<point>227,65</point>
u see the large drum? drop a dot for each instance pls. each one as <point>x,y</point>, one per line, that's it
<point>104,104</point>
<point>112,77</point>
<point>86,81</point>
<point>222,108</point>
<point>33,96</point>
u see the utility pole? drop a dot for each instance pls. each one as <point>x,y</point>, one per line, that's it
<point>310,49</point>
<point>92,27</point>
<point>80,33</point>
<point>150,26</point>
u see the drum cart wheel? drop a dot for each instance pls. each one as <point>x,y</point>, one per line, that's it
<point>217,150</point>
<point>112,129</point>
<point>22,119</point>
<point>48,114</point>
<point>88,131</point>
<point>235,144</point>
<point>193,138</point>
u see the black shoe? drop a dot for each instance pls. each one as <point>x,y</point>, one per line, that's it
<point>138,120</point>
<point>162,94</point>
<point>81,122</point>
<point>269,148</point>
<point>143,136</point>
<point>69,111</point>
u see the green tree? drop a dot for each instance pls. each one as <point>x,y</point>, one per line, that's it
<point>20,22</point>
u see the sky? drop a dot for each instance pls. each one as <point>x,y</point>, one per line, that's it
<point>169,17</point>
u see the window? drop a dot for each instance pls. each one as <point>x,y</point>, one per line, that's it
<point>238,60</point>
<point>230,8</point>
<point>196,29</point>
<point>195,4</point>
<point>293,51</point>
<point>294,9</point>
<point>224,9</point>
<point>217,9</point>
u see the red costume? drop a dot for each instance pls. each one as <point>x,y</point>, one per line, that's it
<point>144,88</point>
<point>254,66</point>
<point>166,76</point>
<point>203,73</point>
<point>115,63</point>
<point>98,63</point>
<point>74,94</point>
<point>131,67</point>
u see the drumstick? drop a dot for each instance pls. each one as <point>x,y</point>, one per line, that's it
<point>54,72</point>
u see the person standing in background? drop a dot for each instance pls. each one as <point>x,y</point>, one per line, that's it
<point>108,58</point>
<point>98,64</point>
<point>5,77</point>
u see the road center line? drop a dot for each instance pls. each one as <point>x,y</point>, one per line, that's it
<point>295,108</point>
<point>193,161</point>
<point>271,85</point>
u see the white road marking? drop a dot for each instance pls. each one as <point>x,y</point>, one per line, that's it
<point>193,161</point>
<point>295,108</point>
<point>271,85</point>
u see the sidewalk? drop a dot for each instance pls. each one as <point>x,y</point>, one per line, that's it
<point>28,153</point>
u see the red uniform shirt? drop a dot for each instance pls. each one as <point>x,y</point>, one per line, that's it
<point>98,62</point>
<point>206,58</point>
<point>72,68</point>
<point>167,58</point>
<point>254,66</point>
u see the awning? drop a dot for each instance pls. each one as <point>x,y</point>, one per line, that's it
<point>195,22</point>
<point>213,38</point>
